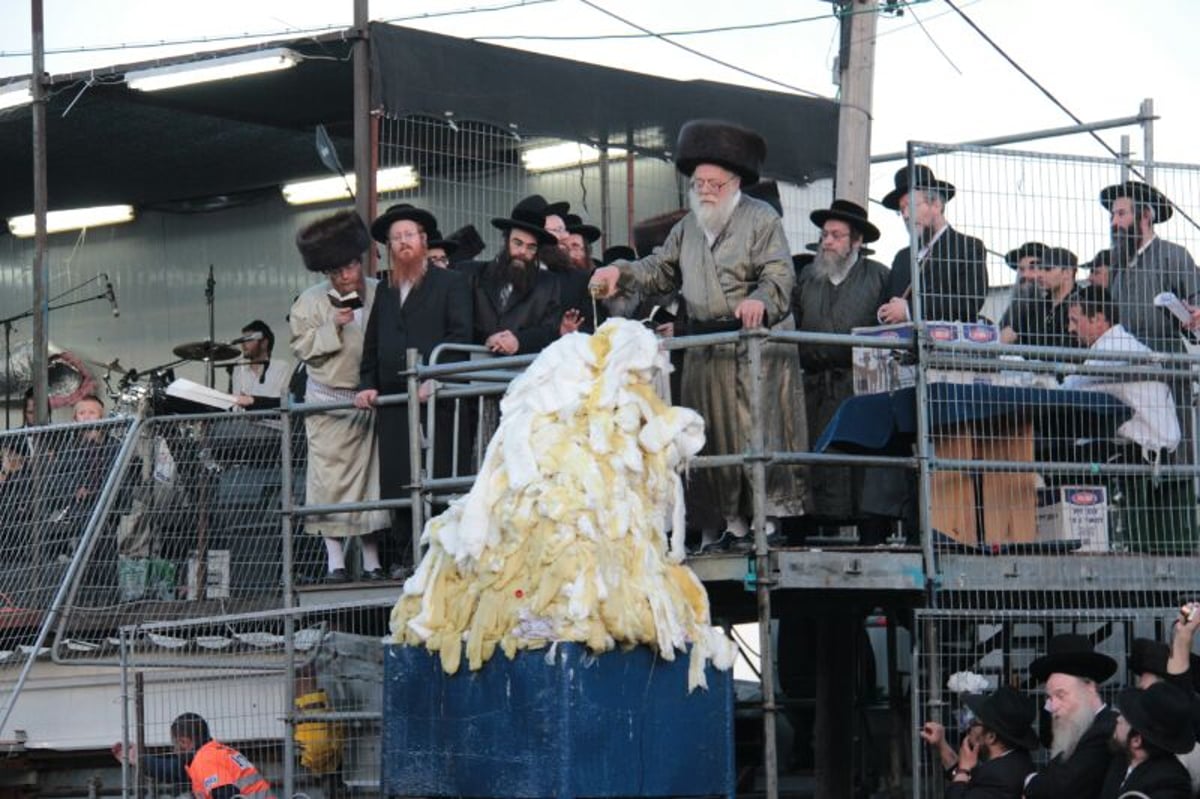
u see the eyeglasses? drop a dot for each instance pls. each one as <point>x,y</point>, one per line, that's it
<point>836,235</point>
<point>700,184</point>
<point>409,236</point>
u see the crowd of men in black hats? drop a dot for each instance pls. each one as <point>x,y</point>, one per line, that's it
<point>1142,746</point>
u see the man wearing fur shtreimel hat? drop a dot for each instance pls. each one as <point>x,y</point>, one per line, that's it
<point>731,262</point>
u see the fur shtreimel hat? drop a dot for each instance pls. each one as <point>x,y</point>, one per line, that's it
<point>711,141</point>
<point>333,241</point>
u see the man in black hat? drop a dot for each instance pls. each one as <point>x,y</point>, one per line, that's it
<point>1144,265</point>
<point>1038,315</point>
<point>994,757</point>
<point>731,262</point>
<point>441,249</point>
<point>1080,720</point>
<point>419,308</point>
<point>516,303</point>
<point>1152,729</point>
<point>953,265</point>
<point>328,324</point>
<point>573,278</point>
<point>838,291</point>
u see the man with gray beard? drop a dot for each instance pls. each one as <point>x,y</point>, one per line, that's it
<point>1081,722</point>
<point>729,259</point>
<point>838,291</point>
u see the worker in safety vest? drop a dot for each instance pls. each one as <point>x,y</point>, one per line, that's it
<point>216,771</point>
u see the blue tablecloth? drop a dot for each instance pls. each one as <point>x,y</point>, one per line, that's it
<point>887,423</point>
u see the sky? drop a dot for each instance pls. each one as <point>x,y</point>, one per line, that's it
<point>936,79</point>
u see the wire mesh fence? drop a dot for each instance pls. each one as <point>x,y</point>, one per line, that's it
<point>960,652</point>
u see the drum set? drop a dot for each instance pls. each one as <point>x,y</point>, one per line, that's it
<point>140,394</point>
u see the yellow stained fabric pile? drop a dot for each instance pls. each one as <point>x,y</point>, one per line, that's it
<point>563,535</point>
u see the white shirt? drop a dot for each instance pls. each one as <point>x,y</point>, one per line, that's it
<point>272,383</point>
<point>1155,424</point>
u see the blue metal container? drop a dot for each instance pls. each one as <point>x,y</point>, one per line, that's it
<point>567,725</point>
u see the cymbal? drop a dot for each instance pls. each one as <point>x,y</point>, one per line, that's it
<point>206,351</point>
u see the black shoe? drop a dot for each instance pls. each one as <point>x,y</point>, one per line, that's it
<point>374,575</point>
<point>337,576</point>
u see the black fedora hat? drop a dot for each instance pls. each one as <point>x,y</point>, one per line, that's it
<point>1147,656</point>
<point>713,141</point>
<point>1071,653</point>
<point>468,241</point>
<point>1162,714</point>
<point>528,215</point>
<point>575,224</point>
<point>1140,193</point>
<point>1030,249</point>
<point>618,252</point>
<point>925,179</point>
<point>560,209</point>
<point>1007,713</point>
<point>395,213</point>
<point>1058,258</point>
<point>448,246</point>
<point>852,214</point>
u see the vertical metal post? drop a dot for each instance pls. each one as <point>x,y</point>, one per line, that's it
<point>895,706</point>
<point>1124,157</point>
<point>288,577</point>
<point>124,660</point>
<point>630,214</point>
<point>364,174</point>
<point>139,706</point>
<point>605,193</point>
<point>414,451</point>
<point>1147,111</point>
<point>762,567</point>
<point>914,705</point>
<point>41,271</point>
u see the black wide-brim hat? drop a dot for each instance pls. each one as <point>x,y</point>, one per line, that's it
<point>435,239</point>
<point>333,241</point>
<point>1161,713</point>
<point>1008,713</point>
<point>1071,653</point>
<point>1140,193</point>
<point>575,224</point>
<point>468,243</point>
<point>713,141</point>
<point>1058,258</point>
<point>1147,656</point>
<point>851,213</point>
<point>1030,249</point>
<point>528,215</point>
<point>397,213</point>
<point>618,252</point>
<point>924,179</point>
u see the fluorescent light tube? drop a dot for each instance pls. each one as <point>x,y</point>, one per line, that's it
<point>399,178</point>
<point>73,219</point>
<point>236,66</point>
<point>549,157</point>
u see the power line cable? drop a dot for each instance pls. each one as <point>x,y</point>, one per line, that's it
<point>266,34</point>
<point>691,32</point>
<point>932,40</point>
<point>1058,103</point>
<point>698,53</point>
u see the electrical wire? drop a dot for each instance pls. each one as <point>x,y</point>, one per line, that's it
<point>698,53</point>
<point>266,34</point>
<point>932,40</point>
<point>691,32</point>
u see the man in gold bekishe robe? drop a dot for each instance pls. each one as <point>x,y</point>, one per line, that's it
<point>730,261</point>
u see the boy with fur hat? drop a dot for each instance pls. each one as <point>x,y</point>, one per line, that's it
<point>328,323</point>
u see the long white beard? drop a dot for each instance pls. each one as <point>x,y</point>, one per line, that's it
<point>713,218</point>
<point>1068,730</point>
<point>834,268</point>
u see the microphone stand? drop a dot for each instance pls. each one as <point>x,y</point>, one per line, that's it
<point>8,327</point>
<point>209,292</point>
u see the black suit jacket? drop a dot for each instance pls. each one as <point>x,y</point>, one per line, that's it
<point>1001,778</point>
<point>1081,776</point>
<point>436,311</point>
<point>532,316</point>
<point>1159,778</point>
<point>953,278</point>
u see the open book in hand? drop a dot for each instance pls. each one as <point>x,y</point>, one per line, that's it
<point>349,300</point>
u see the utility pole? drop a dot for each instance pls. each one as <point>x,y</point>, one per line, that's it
<point>856,76</point>
<point>41,271</point>
<point>364,156</point>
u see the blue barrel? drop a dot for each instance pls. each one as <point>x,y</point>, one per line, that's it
<point>567,725</point>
